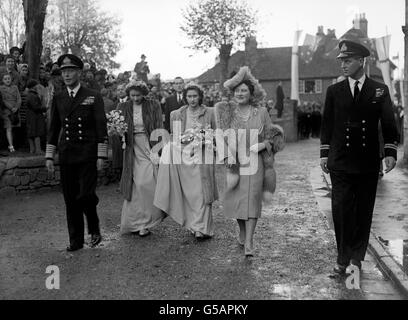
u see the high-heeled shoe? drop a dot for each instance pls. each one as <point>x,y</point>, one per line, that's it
<point>249,252</point>
<point>198,235</point>
<point>144,233</point>
<point>240,242</point>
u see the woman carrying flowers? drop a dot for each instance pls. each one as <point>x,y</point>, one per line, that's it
<point>186,185</point>
<point>139,175</point>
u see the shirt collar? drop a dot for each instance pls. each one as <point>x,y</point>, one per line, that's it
<point>360,82</point>
<point>75,90</point>
<point>122,100</point>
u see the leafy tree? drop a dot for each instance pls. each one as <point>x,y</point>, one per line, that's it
<point>34,18</point>
<point>220,24</point>
<point>80,26</point>
<point>11,24</point>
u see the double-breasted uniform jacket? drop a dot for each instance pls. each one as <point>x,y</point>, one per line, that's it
<point>349,137</point>
<point>78,127</point>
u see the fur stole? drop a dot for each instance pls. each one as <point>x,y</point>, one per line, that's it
<point>225,117</point>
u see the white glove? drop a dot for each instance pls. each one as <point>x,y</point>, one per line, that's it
<point>256,148</point>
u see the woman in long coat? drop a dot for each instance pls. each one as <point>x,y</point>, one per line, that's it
<point>139,175</point>
<point>186,186</point>
<point>250,174</point>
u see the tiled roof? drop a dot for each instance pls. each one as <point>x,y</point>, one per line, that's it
<point>274,64</point>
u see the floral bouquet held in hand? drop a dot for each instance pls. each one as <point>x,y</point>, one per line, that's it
<point>199,138</point>
<point>117,125</point>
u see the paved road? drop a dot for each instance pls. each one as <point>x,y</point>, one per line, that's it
<point>295,250</point>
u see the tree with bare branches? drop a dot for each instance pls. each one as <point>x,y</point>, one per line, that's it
<point>80,26</point>
<point>11,24</point>
<point>220,24</point>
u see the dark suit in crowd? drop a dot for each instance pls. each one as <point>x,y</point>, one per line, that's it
<point>280,98</point>
<point>79,129</point>
<point>350,141</point>
<point>173,103</point>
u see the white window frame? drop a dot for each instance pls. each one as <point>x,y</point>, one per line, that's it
<point>302,86</point>
<point>318,86</point>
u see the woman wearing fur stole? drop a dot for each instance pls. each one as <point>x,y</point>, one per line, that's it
<point>248,147</point>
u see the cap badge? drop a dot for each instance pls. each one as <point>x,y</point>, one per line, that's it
<point>67,61</point>
<point>344,48</point>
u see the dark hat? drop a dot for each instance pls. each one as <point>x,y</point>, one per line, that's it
<point>70,61</point>
<point>143,56</point>
<point>352,49</point>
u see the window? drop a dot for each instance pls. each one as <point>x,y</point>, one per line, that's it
<point>310,86</point>
<point>319,86</point>
<point>302,86</point>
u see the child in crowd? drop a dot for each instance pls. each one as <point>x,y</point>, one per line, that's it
<point>35,117</point>
<point>12,103</point>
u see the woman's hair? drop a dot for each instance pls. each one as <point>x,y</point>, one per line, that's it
<point>141,88</point>
<point>249,84</point>
<point>197,89</point>
<point>9,56</point>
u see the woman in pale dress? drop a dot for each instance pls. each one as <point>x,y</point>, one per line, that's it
<point>139,174</point>
<point>186,186</point>
<point>251,177</point>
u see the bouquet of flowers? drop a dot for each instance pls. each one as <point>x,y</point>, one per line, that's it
<point>117,125</point>
<point>199,137</point>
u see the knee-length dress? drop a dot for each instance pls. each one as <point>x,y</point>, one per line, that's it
<point>139,213</point>
<point>180,189</point>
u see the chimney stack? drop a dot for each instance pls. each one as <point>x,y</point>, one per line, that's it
<point>251,51</point>
<point>360,22</point>
<point>320,31</point>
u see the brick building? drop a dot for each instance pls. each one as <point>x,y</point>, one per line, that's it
<point>273,65</point>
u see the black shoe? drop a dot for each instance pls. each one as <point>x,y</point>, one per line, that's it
<point>95,240</point>
<point>340,269</point>
<point>356,263</point>
<point>74,248</point>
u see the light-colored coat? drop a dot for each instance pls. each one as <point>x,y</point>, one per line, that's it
<point>207,171</point>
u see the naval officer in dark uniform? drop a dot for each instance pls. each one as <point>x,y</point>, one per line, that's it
<point>78,129</point>
<point>350,151</point>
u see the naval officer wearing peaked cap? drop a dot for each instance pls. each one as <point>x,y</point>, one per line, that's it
<point>78,130</point>
<point>350,151</point>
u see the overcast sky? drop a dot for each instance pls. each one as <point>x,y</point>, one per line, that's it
<point>152,27</point>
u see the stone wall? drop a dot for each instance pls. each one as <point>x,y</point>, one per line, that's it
<point>24,175</point>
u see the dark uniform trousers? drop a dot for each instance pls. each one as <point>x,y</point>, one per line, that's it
<point>353,200</point>
<point>350,142</point>
<point>78,186</point>
<point>78,128</point>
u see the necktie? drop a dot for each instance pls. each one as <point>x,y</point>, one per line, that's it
<point>72,94</point>
<point>179,98</point>
<point>356,91</point>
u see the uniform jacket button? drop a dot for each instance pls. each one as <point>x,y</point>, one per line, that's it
<point>80,132</point>
<point>364,121</point>
<point>348,144</point>
<point>67,139</point>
